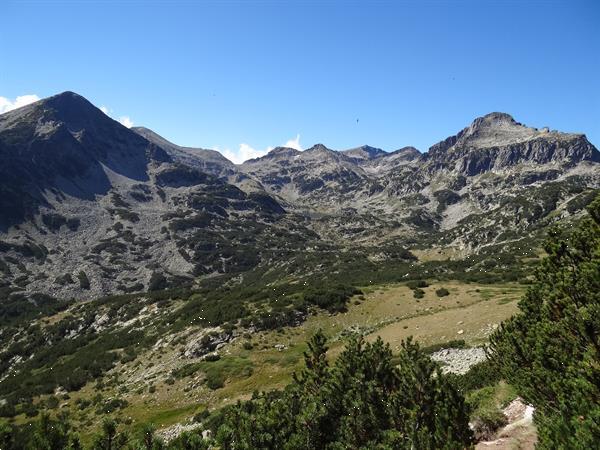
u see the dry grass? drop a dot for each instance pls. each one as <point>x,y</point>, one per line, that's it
<point>388,311</point>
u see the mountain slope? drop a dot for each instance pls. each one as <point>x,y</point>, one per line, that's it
<point>209,161</point>
<point>90,207</point>
<point>495,166</point>
<point>126,261</point>
<point>64,143</point>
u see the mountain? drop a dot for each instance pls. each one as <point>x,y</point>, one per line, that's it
<point>64,145</point>
<point>209,161</point>
<point>496,141</point>
<point>317,177</point>
<point>364,152</point>
<point>492,163</point>
<point>141,277</point>
<point>90,207</point>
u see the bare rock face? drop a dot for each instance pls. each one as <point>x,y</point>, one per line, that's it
<point>496,141</point>
<point>89,207</point>
<point>207,343</point>
<point>364,153</point>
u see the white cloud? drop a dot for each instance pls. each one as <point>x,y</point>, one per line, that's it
<point>126,121</point>
<point>22,100</point>
<point>294,143</point>
<point>246,152</point>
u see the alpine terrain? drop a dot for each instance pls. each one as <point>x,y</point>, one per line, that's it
<point>143,282</point>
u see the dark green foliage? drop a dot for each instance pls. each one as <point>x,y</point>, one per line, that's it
<point>186,371</point>
<point>7,436</point>
<point>487,423</point>
<point>111,405</point>
<point>211,357</point>
<point>118,201</point>
<point>141,193</point>
<point>50,434</point>
<point>418,293</point>
<point>550,352</point>
<point>54,221</point>
<point>308,185</point>
<point>362,401</point>
<point>64,279</point>
<point>28,249</point>
<point>189,441</point>
<point>215,381</point>
<point>442,292</point>
<point>69,363</point>
<point>125,214</point>
<point>265,203</point>
<point>332,299</point>
<point>180,175</point>
<point>20,307</point>
<point>148,439</point>
<point>109,438</point>
<point>52,402</point>
<point>84,281</point>
<point>482,374</point>
<point>157,282</point>
<point>580,201</point>
<point>111,246</point>
<point>446,197</point>
<point>414,284</point>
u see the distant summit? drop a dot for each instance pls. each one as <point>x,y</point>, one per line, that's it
<point>364,152</point>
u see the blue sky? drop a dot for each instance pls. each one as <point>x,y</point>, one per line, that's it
<point>246,76</point>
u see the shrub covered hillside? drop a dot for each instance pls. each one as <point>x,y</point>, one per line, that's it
<point>365,400</point>
<point>551,351</point>
<point>362,401</point>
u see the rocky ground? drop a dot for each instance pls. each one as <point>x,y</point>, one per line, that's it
<point>519,433</point>
<point>459,360</point>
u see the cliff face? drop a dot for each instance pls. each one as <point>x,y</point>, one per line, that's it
<point>496,142</point>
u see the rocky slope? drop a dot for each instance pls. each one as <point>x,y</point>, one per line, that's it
<point>89,207</point>
<point>491,171</point>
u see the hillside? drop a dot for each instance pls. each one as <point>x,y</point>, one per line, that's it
<point>151,282</point>
<point>83,196</point>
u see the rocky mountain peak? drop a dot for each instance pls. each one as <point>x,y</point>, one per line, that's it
<point>319,148</point>
<point>493,119</point>
<point>364,152</point>
<point>67,99</point>
<point>70,172</point>
<point>494,129</point>
<point>497,141</point>
<point>407,153</point>
<point>75,112</point>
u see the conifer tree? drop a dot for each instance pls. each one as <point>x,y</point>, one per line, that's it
<point>361,401</point>
<point>551,351</point>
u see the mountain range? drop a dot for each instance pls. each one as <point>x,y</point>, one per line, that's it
<point>89,207</point>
